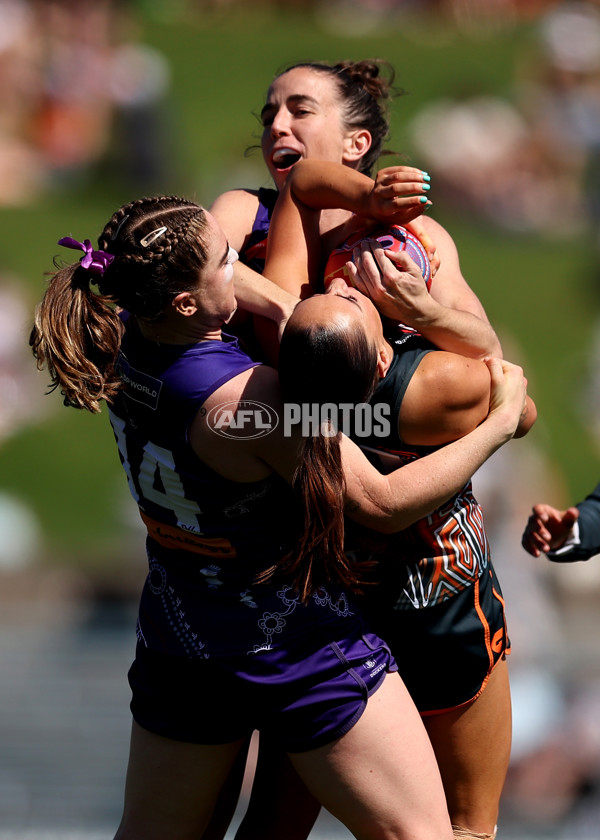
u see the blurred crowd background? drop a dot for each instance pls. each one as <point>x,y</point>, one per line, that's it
<point>102,101</point>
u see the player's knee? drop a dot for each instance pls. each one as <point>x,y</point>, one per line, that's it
<point>467,834</point>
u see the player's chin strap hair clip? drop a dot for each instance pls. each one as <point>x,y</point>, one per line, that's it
<point>152,236</point>
<point>96,262</point>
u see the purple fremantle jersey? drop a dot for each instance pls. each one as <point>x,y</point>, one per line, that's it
<point>208,537</point>
<point>255,250</point>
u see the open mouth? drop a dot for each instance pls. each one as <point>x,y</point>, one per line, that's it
<point>284,158</point>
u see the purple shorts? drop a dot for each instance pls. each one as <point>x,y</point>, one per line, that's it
<point>303,697</point>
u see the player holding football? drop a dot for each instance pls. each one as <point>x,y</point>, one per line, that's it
<point>337,113</point>
<point>316,111</point>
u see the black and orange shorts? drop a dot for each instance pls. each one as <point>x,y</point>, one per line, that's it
<point>446,653</point>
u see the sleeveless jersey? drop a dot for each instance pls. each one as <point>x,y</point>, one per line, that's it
<point>443,553</point>
<point>253,254</point>
<point>448,550</point>
<point>208,536</point>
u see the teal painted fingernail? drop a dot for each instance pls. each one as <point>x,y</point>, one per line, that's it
<point>425,186</point>
<point>423,199</point>
<point>426,176</point>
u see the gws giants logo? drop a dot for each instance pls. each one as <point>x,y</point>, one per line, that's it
<point>243,419</point>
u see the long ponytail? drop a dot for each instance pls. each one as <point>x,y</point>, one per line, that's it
<point>150,250</point>
<point>322,364</point>
<point>76,334</point>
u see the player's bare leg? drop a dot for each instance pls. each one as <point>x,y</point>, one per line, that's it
<point>280,804</point>
<point>472,746</point>
<point>381,779</point>
<point>172,786</point>
<point>228,799</point>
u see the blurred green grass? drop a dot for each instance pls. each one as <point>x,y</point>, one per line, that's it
<point>541,294</point>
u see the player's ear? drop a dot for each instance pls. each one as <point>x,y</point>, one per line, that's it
<point>356,145</point>
<point>185,304</point>
<point>384,360</point>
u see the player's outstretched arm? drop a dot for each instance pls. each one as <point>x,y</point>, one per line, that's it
<point>397,195</point>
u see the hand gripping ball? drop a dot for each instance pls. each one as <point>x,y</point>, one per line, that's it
<point>392,238</point>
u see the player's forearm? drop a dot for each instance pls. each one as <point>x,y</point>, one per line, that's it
<point>417,489</point>
<point>258,295</point>
<point>457,331</point>
<point>323,185</point>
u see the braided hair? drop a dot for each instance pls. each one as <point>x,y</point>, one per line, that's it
<point>152,249</point>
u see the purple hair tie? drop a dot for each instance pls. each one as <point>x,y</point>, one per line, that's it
<point>96,262</point>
